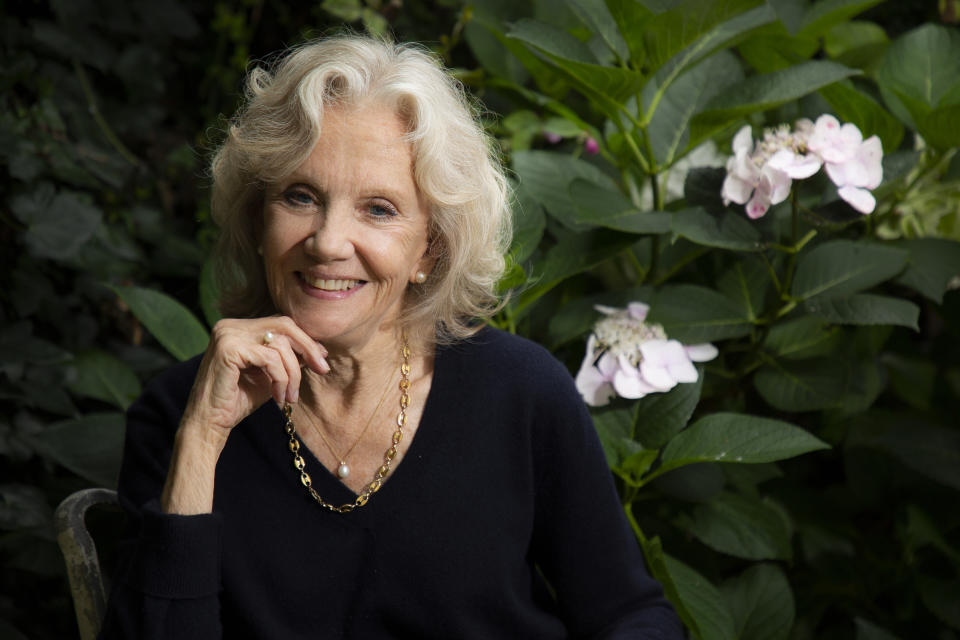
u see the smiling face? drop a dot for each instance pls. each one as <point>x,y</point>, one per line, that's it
<point>345,234</point>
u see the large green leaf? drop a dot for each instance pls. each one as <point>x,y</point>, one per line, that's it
<point>57,224</point>
<point>595,14</point>
<point>692,314</point>
<point>171,323</point>
<point>802,386</point>
<point>746,283</point>
<point>660,416</point>
<point>851,105</point>
<point>857,43</point>
<point>97,374</point>
<point>761,602</point>
<point>729,231</point>
<point>703,601</point>
<point>803,337</point>
<point>929,449</point>
<point>689,98</point>
<point>939,127</point>
<point>769,90</point>
<point>614,426</point>
<point>572,255</point>
<point>90,446</point>
<point>529,223</point>
<point>608,86</point>
<point>544,176</point>
<point>735,437</point>
<point>599,206</point>
<point>842,267</point>
<point>744,527</point>
<point>865,308</point>
<point>823,15</point>
<point>933,263</point>
<point>923,64</point>
<point>669,129</point>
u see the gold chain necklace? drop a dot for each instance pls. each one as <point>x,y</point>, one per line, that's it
<point>344,469</point>
<point>388,455</point>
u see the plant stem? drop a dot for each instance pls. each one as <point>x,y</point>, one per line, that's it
<point>795,231</point>
<point>99,119</point>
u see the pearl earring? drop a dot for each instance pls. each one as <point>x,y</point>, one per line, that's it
<point>421,277</point>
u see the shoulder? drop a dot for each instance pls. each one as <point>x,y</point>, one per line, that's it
<point>511,366</point>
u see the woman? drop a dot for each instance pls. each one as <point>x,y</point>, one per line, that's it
<point>414,476</point>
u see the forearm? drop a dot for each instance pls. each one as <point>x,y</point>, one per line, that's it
<point>190,479</point>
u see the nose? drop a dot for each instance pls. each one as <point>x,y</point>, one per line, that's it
<point>332,238</point>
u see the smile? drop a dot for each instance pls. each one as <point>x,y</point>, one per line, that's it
<point>331,285</point>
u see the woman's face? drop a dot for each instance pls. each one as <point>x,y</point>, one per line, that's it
<point>345,234</point>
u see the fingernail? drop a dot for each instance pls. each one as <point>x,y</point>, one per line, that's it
<point>294,396</point>
<point>324,366</point>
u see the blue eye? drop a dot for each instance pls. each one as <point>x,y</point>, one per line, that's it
<point>382,211</point>
<point>298,197</point>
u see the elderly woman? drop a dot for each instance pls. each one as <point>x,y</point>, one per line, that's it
<point>354,456</point>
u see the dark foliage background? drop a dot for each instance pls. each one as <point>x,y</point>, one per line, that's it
<point>108,112</point>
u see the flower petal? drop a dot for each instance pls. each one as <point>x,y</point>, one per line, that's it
<point>757,206</point>
<point>860,199</point>
<point>654,366</point>
<point>701,352</point>
<point>736,190</point>
<point>638,310</point>
<point>743,141</point>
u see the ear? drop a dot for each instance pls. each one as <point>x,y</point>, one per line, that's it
<point>426,263</point>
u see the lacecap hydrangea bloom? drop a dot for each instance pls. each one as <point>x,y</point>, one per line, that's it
<point>631,358</point>
<point>761,174</point>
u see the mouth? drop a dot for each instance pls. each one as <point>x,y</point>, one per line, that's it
<point>326,284</point>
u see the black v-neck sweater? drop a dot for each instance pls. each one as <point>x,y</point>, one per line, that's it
<point>502,521</point>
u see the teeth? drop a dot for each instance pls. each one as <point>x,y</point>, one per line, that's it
<point>333,285</point>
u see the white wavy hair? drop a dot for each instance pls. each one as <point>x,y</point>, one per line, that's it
<point>455,168</point>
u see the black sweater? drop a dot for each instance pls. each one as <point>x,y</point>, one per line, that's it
<point>501,522</point>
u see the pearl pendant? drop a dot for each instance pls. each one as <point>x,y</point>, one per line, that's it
<point>343,470</point>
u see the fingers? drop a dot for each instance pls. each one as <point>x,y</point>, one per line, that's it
<point>312,353</point>
<point>288,388</point>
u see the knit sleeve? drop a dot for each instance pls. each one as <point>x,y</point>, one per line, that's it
<point>167,582</point>
<point>584,544</point>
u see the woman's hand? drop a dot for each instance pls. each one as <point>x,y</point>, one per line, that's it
<point>246,362</point>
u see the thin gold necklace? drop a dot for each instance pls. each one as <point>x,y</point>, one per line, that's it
<point>344,469</point>
<point>388,455</point>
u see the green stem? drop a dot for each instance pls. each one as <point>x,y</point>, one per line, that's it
<point>795,231</point>
<point>99,119</point>
<point>637,531</point>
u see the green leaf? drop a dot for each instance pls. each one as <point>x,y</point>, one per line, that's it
<point>746,283</point>
<point>769,90</point>
<point>58,225</point>
<point>669,129</point>
<point>609,87</point>
<point>598,206</point>
<point>761,602</point>
<point>630,17</point>
<point>703,601</point>
<point>171,323</point>
<point>939,127</point>
<point>842,267</point>
<point>807,385</point>
<point>90,446</point>
<point>614,426</point>
<point>661,416</point>
<point>923,64</point>
<point>921,531</point>
<point>866,630</point>
<point>911,379</point>
<point>692,314</point>
<point>773,48</point>
<point>865,308</point>
<point>594,14</point>
<point>729,231</point>
<point>100,375</point>
<point>742,527</point>
<point>803,337</point>
<point>929,449</point>
<point>825,14</point>
<point>572,255</point>
<point>529,223</point>
<point>735,437</point>
<point>860,109</point>
<point>209,295</point>
<point>543,172</point>
<point>858,44</point>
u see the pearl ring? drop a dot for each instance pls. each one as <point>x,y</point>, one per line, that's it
<point>268,337</point>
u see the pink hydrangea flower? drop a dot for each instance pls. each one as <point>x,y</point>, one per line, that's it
<point>853,164</point>
<point>631,358</point>
<point>761,175</point>
<point>591,146</point>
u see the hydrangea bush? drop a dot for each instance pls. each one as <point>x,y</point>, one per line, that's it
<point>770,352</point>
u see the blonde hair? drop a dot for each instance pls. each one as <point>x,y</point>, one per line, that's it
<point>455,169</point>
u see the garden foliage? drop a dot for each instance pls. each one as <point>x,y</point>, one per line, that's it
<point>804,486</point>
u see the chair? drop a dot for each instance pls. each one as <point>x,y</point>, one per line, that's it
<point>80,555</point>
